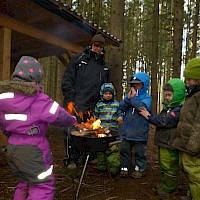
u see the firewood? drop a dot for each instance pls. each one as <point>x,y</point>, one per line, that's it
<point>76,133</point>
<point>83,133</point>
<point>90,132</point>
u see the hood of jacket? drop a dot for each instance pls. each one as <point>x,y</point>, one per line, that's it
<point>179,91</point>
<point>142,76</point>
<point>22,91</point>
<point>26,88</point>
<point>107,87</point>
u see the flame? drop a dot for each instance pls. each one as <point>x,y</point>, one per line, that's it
<point>96,124</point>
<point>71,109</point>
<point>87,125</point>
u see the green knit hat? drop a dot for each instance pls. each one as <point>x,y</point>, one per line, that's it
<point>192,69</point>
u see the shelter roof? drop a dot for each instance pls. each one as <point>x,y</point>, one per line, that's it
<point>47,27</point>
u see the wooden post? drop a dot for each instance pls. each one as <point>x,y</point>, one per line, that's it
<point>3,139</point>
<point>5,55</point>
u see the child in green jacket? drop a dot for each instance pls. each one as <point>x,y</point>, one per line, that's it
<point>166,129</point>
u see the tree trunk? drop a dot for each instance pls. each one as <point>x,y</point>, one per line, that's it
<point>188,30</point>
<point>154,67</point>
<point>115,57</point>
<point>97,13</point>
<point>194,36</point>
<point>178,35</point>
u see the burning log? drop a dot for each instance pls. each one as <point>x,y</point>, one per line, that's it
<point>100,132</point>
<point>77,133</point>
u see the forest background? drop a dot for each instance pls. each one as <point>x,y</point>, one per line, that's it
<point>158,37</point>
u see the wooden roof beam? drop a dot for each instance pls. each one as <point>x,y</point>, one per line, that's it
<point>63,60</point>
<point>31,31</point>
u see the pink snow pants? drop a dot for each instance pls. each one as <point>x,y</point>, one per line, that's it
<point>42,191</point>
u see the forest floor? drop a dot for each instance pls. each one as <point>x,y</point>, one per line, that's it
<point>95,185</point>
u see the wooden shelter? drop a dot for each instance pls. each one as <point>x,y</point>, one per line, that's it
<point>42,28</point>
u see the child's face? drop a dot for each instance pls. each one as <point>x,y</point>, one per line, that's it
<point>191,82</point>
<point>107,96</point>
<point>137,86</point>
<point>168,96</point>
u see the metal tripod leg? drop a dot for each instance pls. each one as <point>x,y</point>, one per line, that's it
<point>81,179</point>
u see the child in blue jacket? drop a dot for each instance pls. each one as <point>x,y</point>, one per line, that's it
<point>135,128</point>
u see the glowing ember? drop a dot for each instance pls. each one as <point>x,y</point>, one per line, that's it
<point>101,135</point>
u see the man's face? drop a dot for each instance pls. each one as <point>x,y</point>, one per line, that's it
<point>191,82</point>
<point>168,96</point>
<point>97,47</point>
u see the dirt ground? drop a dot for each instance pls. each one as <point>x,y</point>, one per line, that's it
<point>95,185</point>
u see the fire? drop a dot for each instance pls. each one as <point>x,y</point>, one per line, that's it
<point>96,124</point>
<point>71,109</point>
<point>91,124</point>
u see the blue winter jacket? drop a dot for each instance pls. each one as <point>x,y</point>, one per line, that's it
<point>135,127</point>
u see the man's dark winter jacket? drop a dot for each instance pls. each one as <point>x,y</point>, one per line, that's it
<point>83,78</point>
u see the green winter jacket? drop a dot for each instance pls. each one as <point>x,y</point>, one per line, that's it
<point>166,122</point>
<point>188,138</point>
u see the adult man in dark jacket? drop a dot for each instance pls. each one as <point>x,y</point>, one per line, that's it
<point>81,84</point>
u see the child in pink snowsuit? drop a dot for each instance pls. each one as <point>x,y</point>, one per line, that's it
<point>25,113</point>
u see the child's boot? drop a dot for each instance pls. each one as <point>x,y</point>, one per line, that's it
<point>124,172</point>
